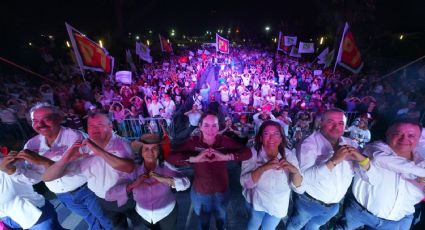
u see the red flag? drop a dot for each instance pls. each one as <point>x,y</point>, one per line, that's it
<point>221,44</point>
<point>281,44</point>
<point>165,45</point>
<point>349,55</point>
<point>89,54</point>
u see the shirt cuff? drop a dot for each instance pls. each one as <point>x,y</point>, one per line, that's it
<point>180,184</point>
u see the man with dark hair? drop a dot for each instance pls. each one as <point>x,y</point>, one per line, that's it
<point>208,154</point>
<point>106,161</point>
<point>326,163</point>
<point>385,197</point>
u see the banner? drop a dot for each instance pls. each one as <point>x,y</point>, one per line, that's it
<point>281,44</point>
<point>290,40</point>
<point>306,47</point>
<point>348,54</point>
<point>294,52</point>
<point>143,52</point>
<point>89,54</point>
<point>165,45</point>
<point>222,44</point>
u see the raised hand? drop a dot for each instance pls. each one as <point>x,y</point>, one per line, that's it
<point>31,156</point>
<point>138,182</point>
<point>73,153</point>
<point>203,156</point>
<point>6,165</point>
<point>341,154</point>
<point>286,166</point>
<point>272,164</point>
<point>162,179</point>
<point>214,155</point>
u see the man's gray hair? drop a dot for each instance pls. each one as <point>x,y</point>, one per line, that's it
<point>45,105</point>
<point>334,110</point>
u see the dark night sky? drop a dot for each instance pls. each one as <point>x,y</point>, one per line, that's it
<point>192,16</point>
<point>23,21</point>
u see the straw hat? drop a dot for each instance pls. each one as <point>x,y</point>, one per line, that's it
<point>148,138</point>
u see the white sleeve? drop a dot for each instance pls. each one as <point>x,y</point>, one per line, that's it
<point>181,182</point>
<point>292,158</point>
<point>307,155</point>
<point>246,169</point>
<point>390,161</point>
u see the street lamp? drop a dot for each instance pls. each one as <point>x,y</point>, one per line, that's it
<point>267,28</point>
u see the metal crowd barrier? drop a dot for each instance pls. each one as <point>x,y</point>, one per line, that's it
<point>133,128</point>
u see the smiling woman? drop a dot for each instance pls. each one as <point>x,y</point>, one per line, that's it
<point>268,177</point>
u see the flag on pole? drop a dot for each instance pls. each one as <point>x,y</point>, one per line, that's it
<point>281,44</point>
<point>165,45</point>
<point>143,52</point>
<point>348,54</point>
<point>290,40</point>
<point>306,47</point>
<point>222,44</point>
<point>89,54</point>
<point>294,52</point>
<point>322,56</point>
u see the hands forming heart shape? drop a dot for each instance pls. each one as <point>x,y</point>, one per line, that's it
<point>210,156</point>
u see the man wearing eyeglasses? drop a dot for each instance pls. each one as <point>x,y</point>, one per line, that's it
<point>46,148</point>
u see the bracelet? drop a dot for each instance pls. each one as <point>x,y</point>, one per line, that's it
<point>364,162</point>
<point>333,162</point>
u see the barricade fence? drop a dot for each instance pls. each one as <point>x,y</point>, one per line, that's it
<point>134,128</point>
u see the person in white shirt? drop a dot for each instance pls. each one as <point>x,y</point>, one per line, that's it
<point>21,206</point>
<point>360,133</point>
<point>326,163</point>
<point>107,160</point>
<point>268,177</point>
<point>386,196</point>
<point>154,106</point>
<point>49,146</point>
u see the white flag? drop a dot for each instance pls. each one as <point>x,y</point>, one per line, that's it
<point>294,52</point>
<point>321,59</point>
<point>306,47</point>
<point>143,52</point>
<point>290,40</point>
<point>130,61</point>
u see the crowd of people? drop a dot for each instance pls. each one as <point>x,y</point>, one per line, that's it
<point>275,114</point>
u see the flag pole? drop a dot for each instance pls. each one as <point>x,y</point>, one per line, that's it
<point>338,57</point>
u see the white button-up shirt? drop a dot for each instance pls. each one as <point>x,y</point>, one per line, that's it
<point>272,191</point>
<point>328,186</point>
<point>390,190</point>
<point>100,175</point>
<point>18,200</point>
<point>65,139</point>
